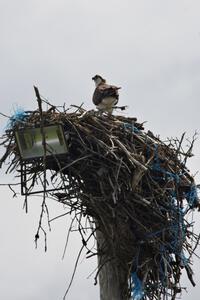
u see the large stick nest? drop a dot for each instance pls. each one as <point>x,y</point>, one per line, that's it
<point>135,188</point>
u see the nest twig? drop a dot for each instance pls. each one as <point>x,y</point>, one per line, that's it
<point>136,188</point>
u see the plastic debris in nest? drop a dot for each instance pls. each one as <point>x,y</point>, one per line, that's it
<point>18,117</point>
<point>136,188</point>
<point>137,289</point>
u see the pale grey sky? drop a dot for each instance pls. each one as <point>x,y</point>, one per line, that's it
<point>151,48</point>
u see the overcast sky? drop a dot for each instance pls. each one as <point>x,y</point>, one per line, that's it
<point>151,48</point>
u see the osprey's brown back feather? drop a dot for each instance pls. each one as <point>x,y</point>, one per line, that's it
<point>103,91</point>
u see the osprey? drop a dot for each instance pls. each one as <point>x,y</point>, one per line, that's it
<point>105,96</point>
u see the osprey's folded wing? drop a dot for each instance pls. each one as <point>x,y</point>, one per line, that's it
<point>103,91</point>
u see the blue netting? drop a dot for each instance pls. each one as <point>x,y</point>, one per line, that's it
<point>184,260</point>
<point>137,290</point>
<point>19,116</point>
<point>156,166</point>
<point>132,127</point>
<point>192,197</point>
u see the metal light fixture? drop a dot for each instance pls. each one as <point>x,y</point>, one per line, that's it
<point>30,142</point>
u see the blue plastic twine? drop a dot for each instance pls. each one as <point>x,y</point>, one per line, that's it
<point>192,197</point>
<point>18,116</point>
<point>137,291</point>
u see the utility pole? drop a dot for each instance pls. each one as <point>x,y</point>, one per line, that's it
<point>113,279</point>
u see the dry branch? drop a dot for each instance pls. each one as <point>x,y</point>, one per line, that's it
<point>136,188</point>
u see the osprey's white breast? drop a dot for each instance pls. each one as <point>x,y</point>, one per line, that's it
<point>105,96</point>
<point>107,104</point>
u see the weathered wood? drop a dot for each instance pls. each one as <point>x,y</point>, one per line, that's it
<point>113,279</point>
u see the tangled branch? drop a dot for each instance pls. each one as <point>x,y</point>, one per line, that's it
<point>128,184</point>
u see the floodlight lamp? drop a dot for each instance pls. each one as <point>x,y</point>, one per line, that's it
<point>31,146</point>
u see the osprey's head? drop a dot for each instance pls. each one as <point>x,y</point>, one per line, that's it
<point>98,79</point>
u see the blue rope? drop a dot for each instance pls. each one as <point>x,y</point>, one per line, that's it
<point>19,116</point>
<point>184,260</point>
<point>156,167</point>
<point>192,196</point>
<point>137,291</point>
<point>176,229</point>
<point>132,127</point>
